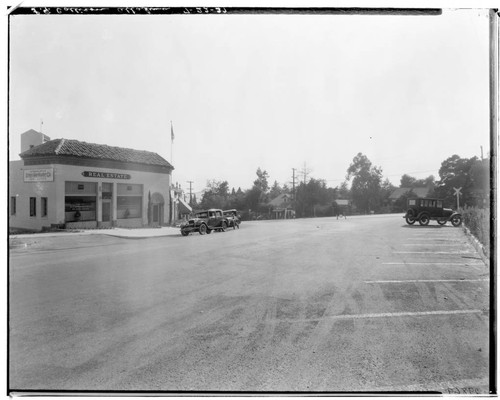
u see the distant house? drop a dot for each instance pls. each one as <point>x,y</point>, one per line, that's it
<point>281,207</point>
<point>419,192</point>
<point>180,207</point>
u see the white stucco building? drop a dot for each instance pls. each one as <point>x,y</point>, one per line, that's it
<point>75,184</point>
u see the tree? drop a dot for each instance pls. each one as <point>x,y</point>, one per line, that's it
<point>257,196</point>
<point>343,191</point>
<point>401,204</point>
<point>407,181</point>
<point>275,191</point>
<point>314,199</point>
<point>480,175</point>
<point>386,190</point>
<point>261,181</point>
<point>411,182</point>
<point>456,172</point>
<point>194,202</point>
<point>366,183</point>
<point>216,195</point>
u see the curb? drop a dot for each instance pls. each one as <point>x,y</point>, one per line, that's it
<point>477,245</point>
<point>135,237</point>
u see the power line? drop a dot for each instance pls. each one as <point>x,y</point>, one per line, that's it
<point>405,173</point>
<point>305,172</point>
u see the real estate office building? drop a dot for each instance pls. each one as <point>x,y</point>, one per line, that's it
<point>75,184</point>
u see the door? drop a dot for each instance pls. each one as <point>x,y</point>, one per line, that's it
<point>156,213</point>
<point>106,211</point>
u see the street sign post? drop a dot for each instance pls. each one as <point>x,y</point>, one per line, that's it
<point>458,193</point>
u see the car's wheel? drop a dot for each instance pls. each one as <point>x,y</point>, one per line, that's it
<point>442,221</point>
<point>223,226</point>
<point>203,229</point>
<point>424,219</point>
<point>209,231</point>
<point>456,220</point>
<point>184,233</point>
<point>410,219</point>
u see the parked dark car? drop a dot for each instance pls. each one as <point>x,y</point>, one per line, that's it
<point>233,218</point>
<point>425,210</point>
<point>205,222</point>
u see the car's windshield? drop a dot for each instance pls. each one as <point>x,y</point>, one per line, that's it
<point>202,214</point>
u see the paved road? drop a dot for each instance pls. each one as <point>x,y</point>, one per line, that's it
<point>364,304</point>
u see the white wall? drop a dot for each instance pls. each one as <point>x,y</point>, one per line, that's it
<point>55,192</point>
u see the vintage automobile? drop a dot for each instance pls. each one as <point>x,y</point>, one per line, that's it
<point>233,218</point>
<point>205,222</point>
<point>425,210</point>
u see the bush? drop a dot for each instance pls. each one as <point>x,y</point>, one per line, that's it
<point>478,222</point>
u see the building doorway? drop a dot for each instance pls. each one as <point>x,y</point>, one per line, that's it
<point>156,213</point>
<point>157,204</point>
<point>106,210</point>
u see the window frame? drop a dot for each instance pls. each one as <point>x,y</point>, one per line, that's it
<point>13,205</point>
<point>44,206</point>
<point>32,207</point>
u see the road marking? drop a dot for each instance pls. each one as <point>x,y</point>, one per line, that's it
<point>432,252</point>
<point>432,244</point>
<point>430,263</point>
<point>427,239</point>
<point>430,280</point>
<point>402,314</point>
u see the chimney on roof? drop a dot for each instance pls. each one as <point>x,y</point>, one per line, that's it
<point>32,138</point>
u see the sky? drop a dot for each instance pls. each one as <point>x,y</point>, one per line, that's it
<point>243,92</point>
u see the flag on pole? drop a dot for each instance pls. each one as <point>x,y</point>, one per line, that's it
<point>171,131</point>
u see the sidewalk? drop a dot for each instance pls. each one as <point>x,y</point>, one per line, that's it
<point>137,233</point>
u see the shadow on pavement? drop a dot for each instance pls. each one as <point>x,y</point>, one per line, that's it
<point>427,227</point>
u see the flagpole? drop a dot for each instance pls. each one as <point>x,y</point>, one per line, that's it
<point>172,199</point>
<point>171,143</point>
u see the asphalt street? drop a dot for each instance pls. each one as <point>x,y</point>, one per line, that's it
<point>363,304</point>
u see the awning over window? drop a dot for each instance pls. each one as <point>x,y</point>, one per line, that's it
<point>184,208</point>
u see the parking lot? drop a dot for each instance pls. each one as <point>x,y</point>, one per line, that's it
<point>363,304</point>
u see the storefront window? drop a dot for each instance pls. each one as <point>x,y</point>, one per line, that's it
<point>80,208</point>
<point>129,207</point>
<point>129,201</point>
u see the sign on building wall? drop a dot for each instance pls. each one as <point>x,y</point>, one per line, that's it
<point>106,175</point>
<point>39,175</point>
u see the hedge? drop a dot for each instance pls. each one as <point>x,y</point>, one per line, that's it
<point>478,222</point>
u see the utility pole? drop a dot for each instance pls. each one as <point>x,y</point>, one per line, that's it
<point>190,192</point>
<point>293,184</point>
<point>305,172</point>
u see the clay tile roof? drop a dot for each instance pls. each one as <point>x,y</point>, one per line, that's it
<point>75,148</point>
